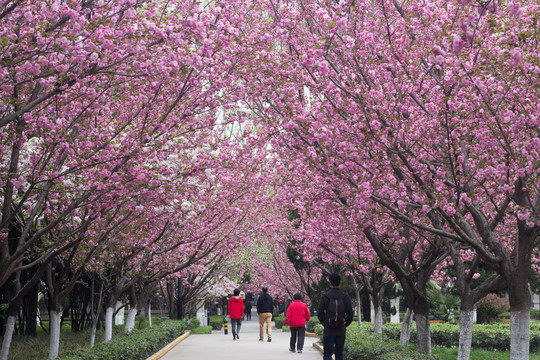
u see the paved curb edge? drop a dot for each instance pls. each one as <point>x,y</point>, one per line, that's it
<point>320,348</point>
<point>168,347</point>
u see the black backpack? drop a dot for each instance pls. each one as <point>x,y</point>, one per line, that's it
<point>335,311</point>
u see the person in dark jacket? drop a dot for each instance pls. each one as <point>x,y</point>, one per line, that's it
<point>297,316</point>
<point>334,337</point>
<point>235,310</point>
<point>265,305</point>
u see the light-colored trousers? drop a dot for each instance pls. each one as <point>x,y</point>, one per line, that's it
<point>265,317</point>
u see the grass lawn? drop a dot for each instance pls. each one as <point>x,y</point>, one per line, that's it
<point>451,354</point>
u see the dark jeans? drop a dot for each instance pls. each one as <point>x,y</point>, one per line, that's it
<point>300,333</point>
<point>234,324</point>
<point>333,344</point>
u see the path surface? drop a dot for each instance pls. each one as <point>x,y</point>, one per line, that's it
<point>219,346</point>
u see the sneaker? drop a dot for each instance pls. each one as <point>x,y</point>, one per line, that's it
<point>292,350</point>
<point>299,351</point>
<point>237,337</point>
<point>270,340</point>
<point>261,340</point>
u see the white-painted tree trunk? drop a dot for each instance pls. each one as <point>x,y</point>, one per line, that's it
<point>54,333</point>
<point>93,336</point>
<point>377,321</point>
<point>395,304</point>
<point>405,333</point>
<point>519,335</point>
<point>8,337</point>
<point>358,303</point>
<point>465,334</point>
<point>130,322</point>
<point>422,333</point>
<point>150,314</point>
<point>108,323</point>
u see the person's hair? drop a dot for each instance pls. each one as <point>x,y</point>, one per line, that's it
<point>236,292</point>
<point>334,279</point>
<point>264,289</point>
<point>297,296</point>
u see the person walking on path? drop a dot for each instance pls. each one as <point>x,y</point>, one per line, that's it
<point>235,310</point>
<point>335,312</point>
<point>297,316</point>
<point>247,309</point>
<point>264,310</point>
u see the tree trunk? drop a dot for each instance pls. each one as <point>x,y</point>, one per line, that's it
<point>405,333</point>
<point>150,314</point>
<point>54,333</point>
<point>421,315</point>
<point>31,304</point>
<point>93,335</point>
<point>358,306</point>
<point>8,336</point>
<point>108,323</point>
<point>130,322</point>
<point>377,323</point>
<point>465,332</point>
<point>519,334</point>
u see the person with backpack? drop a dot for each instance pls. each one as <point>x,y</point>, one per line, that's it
<point>335,312</point>
<point>265,307</point>
<point>235,310</point>
<point>297,316</point>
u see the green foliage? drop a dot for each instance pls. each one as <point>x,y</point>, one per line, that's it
<point>535,314</point>
<point>193,324</point>
<point>216,321</point>
<point>451,354</point>
<point>202,330</point>
<point>279,321</point>
<point>485,336</point>
<point>140,344</point>
<point>319,330</point>
<point>443,306</point>
<point>362,344</point>
<point>286,328</point>
<point>310,325</point>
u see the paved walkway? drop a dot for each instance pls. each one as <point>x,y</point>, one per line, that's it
<point>219,346</point>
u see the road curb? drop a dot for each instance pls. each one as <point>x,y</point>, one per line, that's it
<point>168,347</point>
<point>321,349</point>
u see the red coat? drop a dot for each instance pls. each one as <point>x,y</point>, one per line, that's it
<point>297,314</point>
<point>236,307</point>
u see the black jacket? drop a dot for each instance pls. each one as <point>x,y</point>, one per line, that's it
<point>321,312</point>
<point>265,304</point>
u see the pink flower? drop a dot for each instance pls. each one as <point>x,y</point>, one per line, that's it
<point>515,9</point>
<point>517,55</point>
<point>457,44</point>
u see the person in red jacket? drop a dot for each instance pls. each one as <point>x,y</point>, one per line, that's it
<point>297,316</point>
<point>235,310</point>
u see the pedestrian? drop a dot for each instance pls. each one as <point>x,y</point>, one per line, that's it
<point>335,312</point>
<point>247,310</point>
<point>264,310</point>
<point>297,316</point>
<point>235,310</point>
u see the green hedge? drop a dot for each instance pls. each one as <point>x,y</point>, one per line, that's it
<point>279,321</point>
<point>202,330</point>
<point>138,345</point>
<point>362,344</point>
<point>216,321</point>
<point>485,336</point>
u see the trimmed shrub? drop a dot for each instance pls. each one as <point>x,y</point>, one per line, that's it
<point>216,321</point>
<point>138,345</point>
<point>490,306</point>
<point>193,324</point>
<point>202,330</point>
<point>362,344</point>
<point>310,325</point>
<point>485,336</point>
<point>279,321</point>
